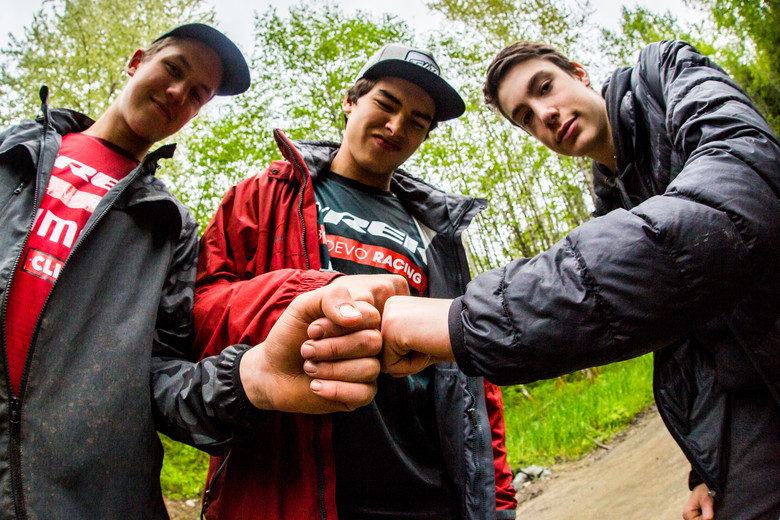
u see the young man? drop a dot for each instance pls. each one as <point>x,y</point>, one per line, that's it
<point>97,272</point>
<point>429,446</point>
<point>682,260</point>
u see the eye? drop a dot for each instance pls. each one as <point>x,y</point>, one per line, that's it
<point>525,118</point>
<point>197,95</point>
<point>545,87</point>
<point>383,105</point>
<point>173,70</point>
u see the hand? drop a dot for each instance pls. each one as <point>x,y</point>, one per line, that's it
<point>415,334</point>
<point>346,366</point>
<point>373,288</point>
<point>700,505</point>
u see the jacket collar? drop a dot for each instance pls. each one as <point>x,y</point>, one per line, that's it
<point>439,210</point>
<point>143,188</point>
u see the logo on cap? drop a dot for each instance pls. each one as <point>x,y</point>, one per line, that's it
<point>422,60</point>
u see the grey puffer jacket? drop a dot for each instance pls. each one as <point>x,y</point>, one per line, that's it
<point>683,260</point>
<point>80,441</point>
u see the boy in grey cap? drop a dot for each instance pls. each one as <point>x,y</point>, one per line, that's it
<point>97,272</point>
<point>428,446</point>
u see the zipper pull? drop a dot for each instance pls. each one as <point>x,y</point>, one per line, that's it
<point>16,410</point>
<point>18,189</point>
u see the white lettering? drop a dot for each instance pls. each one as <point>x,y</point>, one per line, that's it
<point>101,180</point>
<point>77,168</point>
<point>60,225</point>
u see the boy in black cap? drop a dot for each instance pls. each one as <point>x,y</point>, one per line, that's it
<point>429,446</point>
<point>96,279</point>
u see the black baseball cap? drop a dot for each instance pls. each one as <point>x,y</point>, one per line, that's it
<point>235,72</point>
<point>419,67</point>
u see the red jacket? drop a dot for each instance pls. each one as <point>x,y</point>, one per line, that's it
<point>258,253</point>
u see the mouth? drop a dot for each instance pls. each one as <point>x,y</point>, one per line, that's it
<point>566,129</point>
<point>387,144</point>
<point>164,109</point>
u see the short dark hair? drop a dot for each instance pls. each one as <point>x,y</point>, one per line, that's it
<point>159,45</point>
<point>515,54</point>
<point>362,87</point>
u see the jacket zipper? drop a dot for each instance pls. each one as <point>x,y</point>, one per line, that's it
<point>15,402</point>
<point>320,467</point>
<point>713,489</point>
<point>305,182</point>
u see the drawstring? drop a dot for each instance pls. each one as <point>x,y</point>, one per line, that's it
<point>44,95</point>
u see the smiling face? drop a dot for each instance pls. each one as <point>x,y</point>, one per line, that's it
<point>384,128</point>
<point>165,91</point>
<point>559,109</point>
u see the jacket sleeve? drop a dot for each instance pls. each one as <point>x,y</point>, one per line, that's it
<point>245,279</point>
<point>506,503</point>
<point>631,282</point>
<point>198,403</point>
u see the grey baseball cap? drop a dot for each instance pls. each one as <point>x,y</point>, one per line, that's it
<point>419,67</point>
<point>235,72</point>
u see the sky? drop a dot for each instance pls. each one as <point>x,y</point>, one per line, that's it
<point>235,16</point>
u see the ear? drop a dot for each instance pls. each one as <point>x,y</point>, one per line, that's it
<point>581,74</point>
<point>136,60</point>
<point>347,105</point>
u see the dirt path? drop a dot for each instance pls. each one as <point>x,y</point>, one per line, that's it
<point>643,476</point>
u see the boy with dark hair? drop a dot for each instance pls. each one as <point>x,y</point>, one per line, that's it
<point>429,446</point>
<point>681,261</point>
<point>97,272</point>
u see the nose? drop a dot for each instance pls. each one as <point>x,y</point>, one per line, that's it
<point>176,91</point>
<point>395,124</point>
<point>548,114</point>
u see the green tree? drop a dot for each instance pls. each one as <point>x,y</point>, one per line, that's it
<point>79,48</point>
<point>742,36</point>
<point>535,197</point>
<point>302,65</point>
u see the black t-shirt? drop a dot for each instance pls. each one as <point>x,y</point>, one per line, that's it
<point>388,454</point>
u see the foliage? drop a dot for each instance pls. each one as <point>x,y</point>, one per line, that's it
<point>79,48</point>
<point>535,196</point>
<point>564,418</point>
<point>303,63</point>
<point>742,36</point>
<point>183,473</point>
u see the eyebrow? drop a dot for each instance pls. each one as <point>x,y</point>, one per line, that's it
<point>427,117</point>
<point>529,90</point>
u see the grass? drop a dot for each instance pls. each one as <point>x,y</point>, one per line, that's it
<point>565,418</point>
<point>184,470</point>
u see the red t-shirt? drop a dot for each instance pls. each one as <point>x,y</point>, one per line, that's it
<point>85,169</point>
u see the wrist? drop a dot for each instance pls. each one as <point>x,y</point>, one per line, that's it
<point>252,372</point>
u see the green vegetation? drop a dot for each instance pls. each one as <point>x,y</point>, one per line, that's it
<point>184,470</point>
<point>565,418</point>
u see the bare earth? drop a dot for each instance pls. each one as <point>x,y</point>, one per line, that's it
<point>644,476</point>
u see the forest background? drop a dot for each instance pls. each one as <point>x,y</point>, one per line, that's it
<point>304,59</point>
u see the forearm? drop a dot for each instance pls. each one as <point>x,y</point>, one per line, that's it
<point>202,403</point>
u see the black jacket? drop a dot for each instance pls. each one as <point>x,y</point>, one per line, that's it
<point>80,440</point>
<point>683,260</point>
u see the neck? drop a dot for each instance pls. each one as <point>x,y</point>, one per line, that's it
<point>345,165</point>
<point>605,154</point>
<point>115,132</point>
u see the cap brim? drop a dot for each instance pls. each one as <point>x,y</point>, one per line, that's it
<point>449,104</point>
<point>235,71</point>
